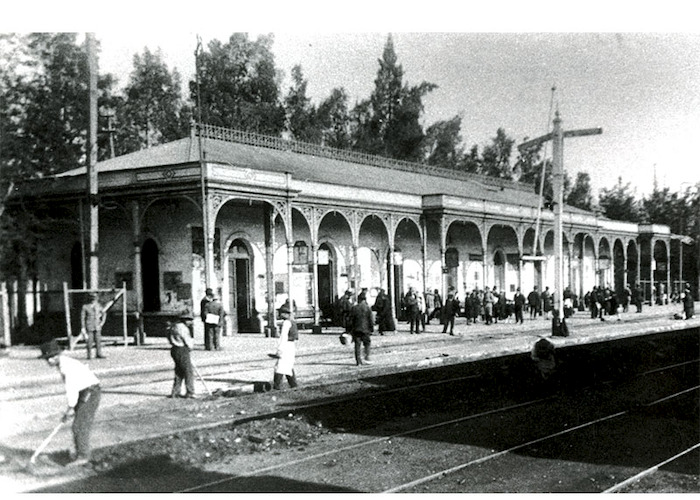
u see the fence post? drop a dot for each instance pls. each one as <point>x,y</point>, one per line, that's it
<point>66,305</point>
<point>124,313</point>
<point>5,307</point>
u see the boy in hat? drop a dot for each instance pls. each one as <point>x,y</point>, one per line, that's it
<point>92,318</point>
<point>181,342</point>
<point>83,394</point>
<point>286,349</point>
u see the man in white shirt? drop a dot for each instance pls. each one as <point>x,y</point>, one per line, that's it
<point>83,394</point>
<point>180,338</point>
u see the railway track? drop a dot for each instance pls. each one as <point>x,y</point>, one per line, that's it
<point>416,431</point>
<point>449,471</point>
<point>581,442</point>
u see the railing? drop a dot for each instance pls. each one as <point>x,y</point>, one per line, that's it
<point>271,142</point>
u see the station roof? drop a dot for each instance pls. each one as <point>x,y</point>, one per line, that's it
<point>325,165</point>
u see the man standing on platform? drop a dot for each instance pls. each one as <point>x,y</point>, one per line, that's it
<point>213,315</point>
<point>518,306</point>
<point>534,301</point>
<point>688,302</point>
<point>362,328</point>
<point>638,297</point>
<point>92,318</point>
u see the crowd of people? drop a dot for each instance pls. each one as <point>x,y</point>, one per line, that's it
<point>491,305</point>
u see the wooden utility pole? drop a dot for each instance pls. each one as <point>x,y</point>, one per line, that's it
<point>92,188</point>
<point>557,136</point>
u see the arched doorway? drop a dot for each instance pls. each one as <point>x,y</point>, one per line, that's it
<point>240,296</point>
<point>499,271</point>
<point>150,276</point>
<point>76,267</point>
<point>325,283</point>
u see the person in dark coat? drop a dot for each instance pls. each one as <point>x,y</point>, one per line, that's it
<point>475,303</point>
<point>437,301</point>
<point>534,302</point>
<point>362,328</point>
<point>547,303</point>
<point>213,316</point>
<point>519,305</point>
<point>688,303</point>
<point>449,311</point>
<point>385,318</point>
<point>638,297</point>
<point>345,305</point>
<point>410,301</point>
<point>502,306</point>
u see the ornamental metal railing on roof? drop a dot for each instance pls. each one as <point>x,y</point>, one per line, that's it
<point>307,148</point>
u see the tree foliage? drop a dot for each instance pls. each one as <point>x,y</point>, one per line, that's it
<point>388,123</point>
<point>619,202</point>
<point>333,119</point>
<point>151,111</point>
<point>239,85</point>
<point>580,195</point>
<point>302,121</point>
<point>442,143</point>
<point>496,156</point>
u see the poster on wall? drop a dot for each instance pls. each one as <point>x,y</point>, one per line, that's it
<point>302,289</point>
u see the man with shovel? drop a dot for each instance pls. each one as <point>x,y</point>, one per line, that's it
<point>180,338</point>
<point>83,394</point>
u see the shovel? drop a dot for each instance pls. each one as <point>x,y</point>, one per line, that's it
<point>201,378</point>
<point>42,446</point>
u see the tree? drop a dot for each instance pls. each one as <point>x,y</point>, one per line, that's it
<point>388,123</point>
<point>152,111</point>
<point>580,195</point>
<point>47,102</point>
<point>442,143</point>
<point>301,114</point>
<point>333,120</point>
<point>619,203</point>
<point>404,134</point>
<point>470,162</point>
<point>239,85</point>
<point>496,156</point>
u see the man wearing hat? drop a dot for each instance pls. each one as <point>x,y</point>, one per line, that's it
<point>83,394</point>
<point>180,338</point>
<point>213,315</point>
<point>688,302</point>
<point>92,318</point>
<point>286,349</point>
<point>362,328</point>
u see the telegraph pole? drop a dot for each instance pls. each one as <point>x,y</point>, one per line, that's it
<point>92,188</point>
<point>557,136</point>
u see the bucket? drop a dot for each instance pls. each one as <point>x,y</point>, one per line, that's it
<point>262,387</point>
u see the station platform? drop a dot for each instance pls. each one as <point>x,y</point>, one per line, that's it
<point>135,380</point>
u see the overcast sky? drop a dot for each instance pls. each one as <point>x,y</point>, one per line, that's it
<point>642,88</point>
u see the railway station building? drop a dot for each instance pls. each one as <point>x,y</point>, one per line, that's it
<point>260,219</point>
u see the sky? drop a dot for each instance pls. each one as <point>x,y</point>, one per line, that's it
<point>635,74</point>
